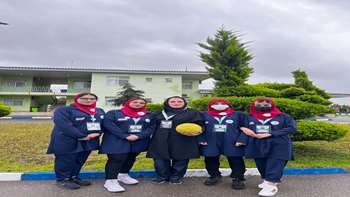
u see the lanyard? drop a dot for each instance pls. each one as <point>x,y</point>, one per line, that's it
<point>265,121</point>
<point>166,115</point>
<point>220,120</point>
<point>93,119</point>
<point>136,120</point>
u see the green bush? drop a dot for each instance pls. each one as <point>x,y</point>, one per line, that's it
<point>292,92</point>
<point>246,90</point>
<point>152,107</point>
<point>4,110</point>
<point>314,99</point>
<point>311,130</point>
<point>275,86</point>
<point>297,109</point>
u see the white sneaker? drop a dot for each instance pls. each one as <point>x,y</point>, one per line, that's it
<point>126,179</point>
<point>262,185</point>
<point>112,185</point>
<point>268,190</point>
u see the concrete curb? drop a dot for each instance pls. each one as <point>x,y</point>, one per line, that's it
<point>32,176</point>
<point>10,176</point>
<point>26,118</point>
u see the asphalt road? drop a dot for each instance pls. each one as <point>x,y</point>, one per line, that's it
<point>292,186</point>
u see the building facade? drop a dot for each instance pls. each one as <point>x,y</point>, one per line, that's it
<point>37,88</point>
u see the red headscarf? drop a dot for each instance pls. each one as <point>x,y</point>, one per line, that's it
<point>89,109</point>
<point>132,112</point>
<point>262,115</point>
<point>217,113</point>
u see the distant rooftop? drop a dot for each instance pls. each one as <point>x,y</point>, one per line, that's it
<point>139,69</point>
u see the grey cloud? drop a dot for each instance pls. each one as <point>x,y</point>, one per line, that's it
<point>284,35</point>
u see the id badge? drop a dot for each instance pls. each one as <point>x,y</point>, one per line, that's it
<point>263,129</point>
<point>220,128</point>
<point>135,128</point>
<point>166,124</point>
<point>93,126</point>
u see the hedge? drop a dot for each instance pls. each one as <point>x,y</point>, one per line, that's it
<point>246,90</point>
<point>312,130</point>
<point>4,110</point>
<point>152,107</point>
<point>292,92</point>
<point>275,86</point>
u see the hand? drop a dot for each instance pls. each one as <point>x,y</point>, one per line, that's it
<point>94,135</point>
<point>203,143</point>
<point>87,138</point>
<point>263,135</point>
<point>239,144</point>
<point>248,132</point>
<point>132,137</point>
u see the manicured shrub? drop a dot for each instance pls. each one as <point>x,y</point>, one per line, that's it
<point>275,86</point>
<point>246,90</point>
<point>312,130</point>
<point>152,107</point>
<point>4,110</point>
<point>292,92</point>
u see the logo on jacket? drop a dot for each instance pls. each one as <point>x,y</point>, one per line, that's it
<point>251,123</point>
<point>275,122</point>
<point>229,121</point>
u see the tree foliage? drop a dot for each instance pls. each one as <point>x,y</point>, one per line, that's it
<point>128,92</point>
<point>227,59</point>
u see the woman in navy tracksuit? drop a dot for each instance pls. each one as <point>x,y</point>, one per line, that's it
<point>269,142</point>
<point>222,136</point>
<point>75,134</point>
<point>127,134</point>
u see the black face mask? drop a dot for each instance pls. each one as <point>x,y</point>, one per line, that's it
<point>263,108</point>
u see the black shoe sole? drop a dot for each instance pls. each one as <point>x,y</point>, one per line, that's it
<point>68,188</point>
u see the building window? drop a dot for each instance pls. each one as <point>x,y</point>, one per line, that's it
<point>149,100</point>
<point>111,80</point>
<point>115,80</point>
<point>149,79</point>
<point>169,80</point>
<point>13,101</point>
<point>16,84</point>
<point>123,80</point>
<point>187,85</point>
<point>81,85</point>
<point>186,97</point>
<point>109,100</point>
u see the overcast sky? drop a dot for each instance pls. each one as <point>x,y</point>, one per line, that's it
<point>284,34</point>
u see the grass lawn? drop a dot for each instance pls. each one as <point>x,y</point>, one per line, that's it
<point>23,148</point>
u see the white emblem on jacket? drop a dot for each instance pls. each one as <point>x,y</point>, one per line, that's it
<point>229,121</point>
<point>275,122</point>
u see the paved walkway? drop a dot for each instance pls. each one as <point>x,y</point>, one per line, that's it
<point>293,186</point>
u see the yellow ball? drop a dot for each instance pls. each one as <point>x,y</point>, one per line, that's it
<point>189,129</point>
